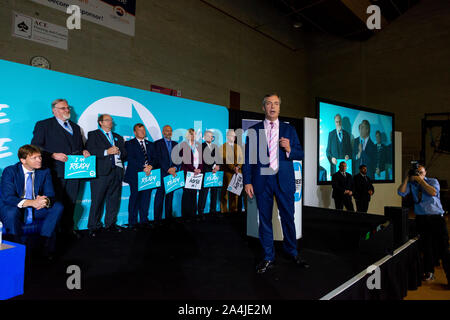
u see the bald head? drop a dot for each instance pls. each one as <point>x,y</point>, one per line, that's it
<point>167,132</point>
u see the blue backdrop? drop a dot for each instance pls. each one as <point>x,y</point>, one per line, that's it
<point>27,93</point>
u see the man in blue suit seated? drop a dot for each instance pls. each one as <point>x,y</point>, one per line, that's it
<point>27,194</point>
<point>141,157</point>
<point>271,146</point>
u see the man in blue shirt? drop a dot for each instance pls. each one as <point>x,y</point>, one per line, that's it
<point>430,222</point>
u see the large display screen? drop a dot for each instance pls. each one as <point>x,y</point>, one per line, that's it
<point>355,135</point>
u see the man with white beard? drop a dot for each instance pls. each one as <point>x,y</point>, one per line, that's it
<point>58,137</point>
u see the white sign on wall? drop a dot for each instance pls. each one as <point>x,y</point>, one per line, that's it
<point>113,14</point>
<point>41,31</point>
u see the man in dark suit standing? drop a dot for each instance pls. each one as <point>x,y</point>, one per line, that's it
<point>265,180</point>
<point>141,157</point>
<point>27,194</point>
<point>380,159</point>
<point>210,151</point>
<point>388,151</point>
<point>363,189</point>
<point>338,146</point>
<point>364,150</point>
<point>58,137</point>
<point>342,184</point>
<point>109,149</point>
<point>163,151</point>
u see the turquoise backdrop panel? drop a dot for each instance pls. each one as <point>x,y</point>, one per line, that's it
<point>27,93</point>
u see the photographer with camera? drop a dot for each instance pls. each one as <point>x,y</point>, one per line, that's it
<point>430,222</point>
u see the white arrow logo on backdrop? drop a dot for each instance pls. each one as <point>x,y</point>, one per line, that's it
<point>119,107</point>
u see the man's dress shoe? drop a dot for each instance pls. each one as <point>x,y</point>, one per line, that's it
<point>263,266</point>
<point>300,262</point>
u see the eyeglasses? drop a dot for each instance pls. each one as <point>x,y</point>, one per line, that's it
<point>64,108</point>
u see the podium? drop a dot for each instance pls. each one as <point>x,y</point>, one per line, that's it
<point>253,217</point>
<point>12,269</point>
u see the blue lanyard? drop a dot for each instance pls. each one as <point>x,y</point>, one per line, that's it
<point>107,136</point>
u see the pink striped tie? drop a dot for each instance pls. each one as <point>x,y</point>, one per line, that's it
<point>273,146</point>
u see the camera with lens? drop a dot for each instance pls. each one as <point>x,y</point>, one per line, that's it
<point>414,170</point>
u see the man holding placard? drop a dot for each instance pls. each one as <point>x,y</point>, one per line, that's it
<point>110,151</point>
<point>163,149</point>
<point>58,137</point>
<point>192,165</point>
<point>231,154</point>
<point>210,150</point>
<point>141,157</point>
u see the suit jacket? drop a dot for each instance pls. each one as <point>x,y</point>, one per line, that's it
<point>340,184</point>
<point>285,175</point>
<point>231,159</point>
<point>208,167</point>
<point>136,159</point>
<point>337,149</point>
<point>163,158</point>
<point>13,185</point>
<point>361,187</point>
<point>97,143</point>
<point>388,152</point>
<point>381,156</point>
<point>52,138</point>
<point>368,157</point>
<point>187,157</point>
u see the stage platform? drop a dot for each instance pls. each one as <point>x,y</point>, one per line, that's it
<point>209,260</point>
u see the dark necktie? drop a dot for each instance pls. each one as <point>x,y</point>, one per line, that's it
<point>68,129</point>
<point>340,135</point>
<point>145,153</point>
<point>169,148</point>
<point>29,196</point>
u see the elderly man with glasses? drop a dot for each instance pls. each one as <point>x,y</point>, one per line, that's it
<point>59,137</point>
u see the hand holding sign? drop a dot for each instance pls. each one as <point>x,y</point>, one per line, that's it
<point>236,184</point>
<point>172,171</point>
<point>149,181</point>
<point>77,167</point>
<point>148,169</point>
<point>213,179</point>
<point>172,183</point>
<point>193,181</point>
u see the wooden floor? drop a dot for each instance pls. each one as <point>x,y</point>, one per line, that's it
<point>433,290</point>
